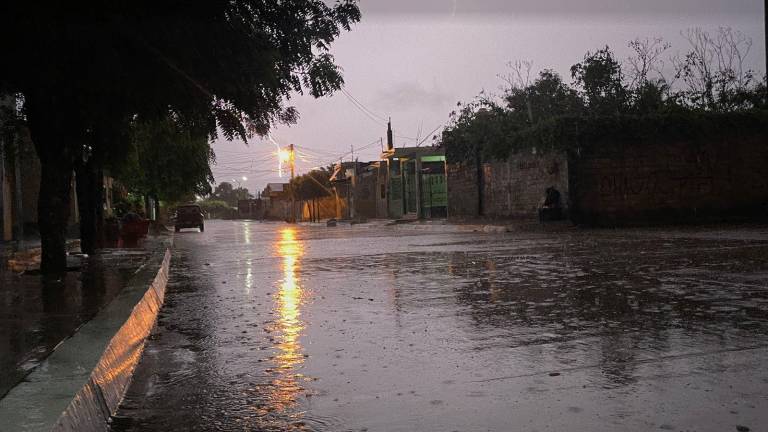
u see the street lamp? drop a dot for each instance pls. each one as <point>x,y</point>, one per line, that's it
<point>239,191</point>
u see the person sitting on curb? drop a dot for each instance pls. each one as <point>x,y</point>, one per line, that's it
<point>551,209</point>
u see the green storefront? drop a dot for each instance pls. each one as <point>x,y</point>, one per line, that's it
<point>416,183</point>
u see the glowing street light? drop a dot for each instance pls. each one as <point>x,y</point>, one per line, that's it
<point>284,156</point>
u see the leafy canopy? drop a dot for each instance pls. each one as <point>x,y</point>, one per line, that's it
<point>226,66</point>
<point>167,161</point>
<point>229,194</point>
<point>710,83</point>
<point>312,185</point>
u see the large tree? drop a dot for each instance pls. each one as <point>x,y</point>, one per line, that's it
<point>227,66</point>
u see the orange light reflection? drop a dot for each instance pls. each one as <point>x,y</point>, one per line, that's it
<point>289,326</point>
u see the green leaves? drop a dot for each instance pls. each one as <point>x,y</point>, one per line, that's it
<point>603,109</point>
<point>601,79</point>
<point>314,184</point>
<point>167,161</point>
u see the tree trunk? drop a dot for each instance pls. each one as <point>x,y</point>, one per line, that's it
<point>53,213</point>
<point>83,181</point>
<point>90,199</point>
<point>147,207</point>
<point>54,136</point>
<point>157,209</point>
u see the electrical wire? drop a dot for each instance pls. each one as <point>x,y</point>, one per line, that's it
<point>374,117</point>
<point>429,135</point>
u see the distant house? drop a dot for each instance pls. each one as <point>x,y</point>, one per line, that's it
<point>250,209</point>
<point>274,190</point>
<point>277,201</point>
<point>407,182</point>
<point>354,184</point>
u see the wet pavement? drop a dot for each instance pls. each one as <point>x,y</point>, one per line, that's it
<point>36,315</point>
<point>272,327</point>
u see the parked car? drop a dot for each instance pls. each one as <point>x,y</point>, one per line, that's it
<point>189,216</point>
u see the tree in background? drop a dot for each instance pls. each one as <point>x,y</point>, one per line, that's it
<point>711,76</point>
<point>216,209</point>
<point>545,98</point>
<point>713,72</point>
<point>167,162</point>
<point>214,66</point>
<point>312,186</point>
<point>600,78</point>
<point>229,194</point>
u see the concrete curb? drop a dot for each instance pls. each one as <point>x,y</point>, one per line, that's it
<point>80,385</point>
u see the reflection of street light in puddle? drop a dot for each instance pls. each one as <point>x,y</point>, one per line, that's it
<point>288,300</point>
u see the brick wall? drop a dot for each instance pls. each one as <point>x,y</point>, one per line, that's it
<point>671,182</point>
<point>366,195</point>
<point>462,190</point>
<point>513,188</point>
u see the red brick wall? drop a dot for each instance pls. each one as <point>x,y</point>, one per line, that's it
<point>514,188</point>
<point>462,190</point>
<point>671,182</point>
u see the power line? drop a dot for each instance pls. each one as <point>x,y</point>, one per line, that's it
<point>341,156</point>
<point>362,105</point>
<point>371,115</point>
<point>428,135</point>
<point>316,151</point>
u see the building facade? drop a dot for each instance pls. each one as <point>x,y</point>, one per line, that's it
<point>414,183</point>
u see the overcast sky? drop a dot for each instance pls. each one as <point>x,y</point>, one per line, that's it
<point>413,60</point>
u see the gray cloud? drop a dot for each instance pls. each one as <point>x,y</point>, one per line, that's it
<point>411,94</point>
<point>558,7</point>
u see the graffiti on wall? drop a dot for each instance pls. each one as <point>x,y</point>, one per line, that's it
<point>659,184</point>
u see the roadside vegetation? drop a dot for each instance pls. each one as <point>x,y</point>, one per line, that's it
<point>652,92</point>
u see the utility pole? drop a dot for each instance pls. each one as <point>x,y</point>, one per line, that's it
<point>292,161</point>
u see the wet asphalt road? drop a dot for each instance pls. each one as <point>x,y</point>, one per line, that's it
<point>274,327</point>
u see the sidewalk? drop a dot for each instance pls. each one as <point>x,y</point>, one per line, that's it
<point>36,316</point>
<point>477,226</point>
<point>450,226</point>
<point>25,255</point>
